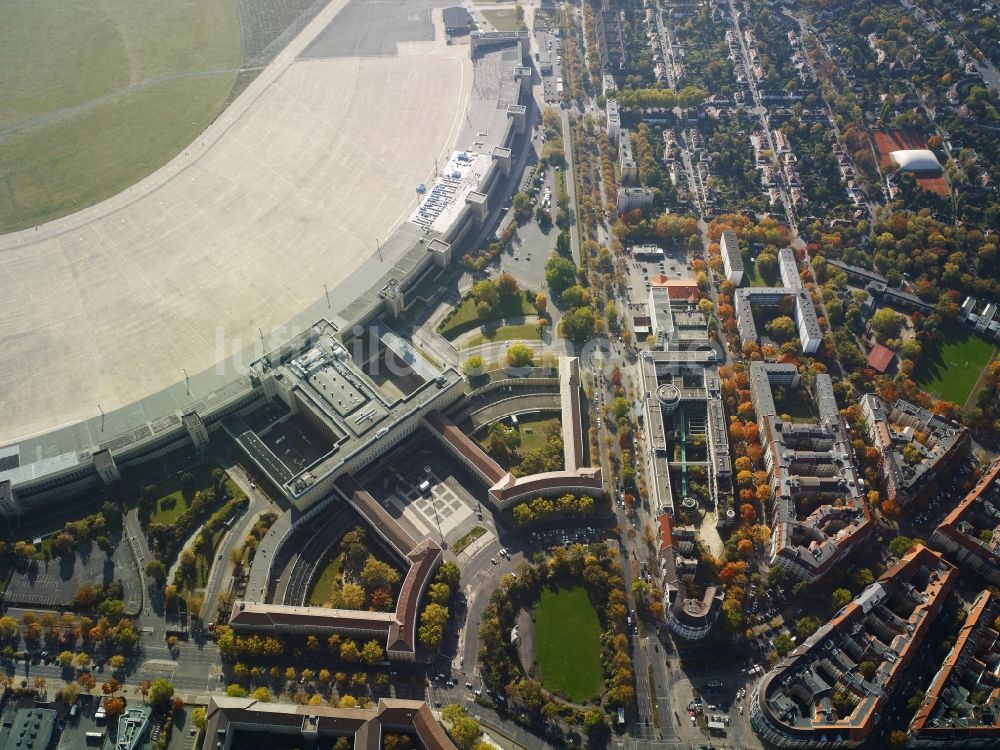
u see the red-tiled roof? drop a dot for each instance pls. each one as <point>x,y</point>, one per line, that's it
<point>466,445</point>
<point>676,288</point>
<point>880,357</point>
<point>666,533</point>
<point>511,487</point>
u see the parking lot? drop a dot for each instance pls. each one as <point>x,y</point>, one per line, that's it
<point>948,491</point>
<point>551,47</point>
<point>549,539</point>
<point>54,583</point>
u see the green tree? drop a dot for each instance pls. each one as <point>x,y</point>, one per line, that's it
<point>783,644</point>
<point>261,694</point>
<point>887,324</point>
<point>781,329</point>
<point>8,628</point>
<point>198,718</point>
<point>473,365</point>
<point>900,545</point>
<point>767,266</point>
<point>579,324</point>
<point>843,703</point>
<point>486,292</point>
<point>531,694</point>
<point>450,574</point>
<point>594,721</point>
<point>521,203</point>
<point>520,355</point>
<point>432,622</point>
<point>806,627</point>
<point>372,653</point>
<point>840,597</point>
<point>560,274</point>
<point>439,593</point>
<point>156,570</point>
<point>236,691</point>
<point>502,441</point>
<point>378,575</point>
<point>465,731</point>
<point>160,692</point>
<point>575,296</point>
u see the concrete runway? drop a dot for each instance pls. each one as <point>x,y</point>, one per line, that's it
<point>287,191</point>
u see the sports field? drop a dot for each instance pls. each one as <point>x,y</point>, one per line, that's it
<point>567,643</point>
<point>951,370</point>
<point>99,94</point>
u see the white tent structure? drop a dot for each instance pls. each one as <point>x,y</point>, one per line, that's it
<point>918,160</point>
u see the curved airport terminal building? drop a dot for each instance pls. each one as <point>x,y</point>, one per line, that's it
<point>328,346</point>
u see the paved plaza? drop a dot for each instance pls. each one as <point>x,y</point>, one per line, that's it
<point>440,507</point>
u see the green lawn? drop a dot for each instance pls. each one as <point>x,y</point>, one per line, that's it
<point>562,193</point>
<point>170,492</point>
<point>800,408</point>
<point>567,644</point>
<point>468,538</point>
<point>323,587</point>
<point>518,332</point>
<point>98,95</point>
<point>752,278</point>
<point>502,20</point>
<point>531,431</point>
<point>466,317</point>
<point>950,370</point>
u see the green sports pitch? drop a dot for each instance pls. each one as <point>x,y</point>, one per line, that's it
<point>952,367</point>
<point>568,643</point>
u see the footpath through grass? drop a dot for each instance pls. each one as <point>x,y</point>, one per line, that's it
<point>174,500</point>
<point>950,370</point>
<point>568,644</point>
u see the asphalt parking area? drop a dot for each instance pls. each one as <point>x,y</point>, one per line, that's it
<point>54,583</point>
